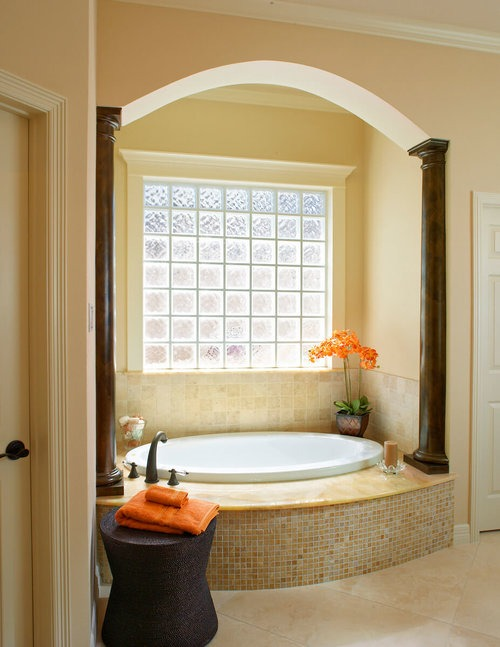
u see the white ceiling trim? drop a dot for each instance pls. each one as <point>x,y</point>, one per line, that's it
<point>317,16</point>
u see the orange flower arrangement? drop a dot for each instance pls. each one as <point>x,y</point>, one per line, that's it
<point>342,344</point>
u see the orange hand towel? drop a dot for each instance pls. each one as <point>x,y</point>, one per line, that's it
<point>166,496</point>
<point>193,517</point>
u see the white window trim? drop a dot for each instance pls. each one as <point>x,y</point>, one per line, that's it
<point>158,165</point>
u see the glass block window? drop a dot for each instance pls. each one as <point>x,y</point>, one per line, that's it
<point>233,276</point>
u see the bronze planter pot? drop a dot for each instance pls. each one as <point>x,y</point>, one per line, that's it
<point>350,425</point>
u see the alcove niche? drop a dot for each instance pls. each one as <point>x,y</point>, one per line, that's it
<point>430,456</point>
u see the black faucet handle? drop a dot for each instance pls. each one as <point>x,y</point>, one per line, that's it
<point>134,474</point>
<point>173,476</point>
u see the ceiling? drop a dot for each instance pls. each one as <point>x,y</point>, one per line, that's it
<point>269,95</point>
<point>470,24</point>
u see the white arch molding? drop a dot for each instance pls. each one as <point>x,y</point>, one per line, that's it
<point>357,100</point>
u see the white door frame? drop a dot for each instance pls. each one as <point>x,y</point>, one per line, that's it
<point>479,201</point>
<point>46,113</point>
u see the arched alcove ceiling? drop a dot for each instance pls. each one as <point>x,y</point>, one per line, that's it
<point>353,98</point>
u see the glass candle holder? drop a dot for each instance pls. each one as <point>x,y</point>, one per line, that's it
<point>391,469</point>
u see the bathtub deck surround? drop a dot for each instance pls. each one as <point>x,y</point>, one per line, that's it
<point>273,535</point>
<point>345,525</point>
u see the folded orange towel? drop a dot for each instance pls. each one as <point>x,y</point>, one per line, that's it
<point>193,517</point>
<point>166,496</point>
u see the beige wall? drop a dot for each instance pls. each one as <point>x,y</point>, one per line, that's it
<point>51,45</point>
<point>391,250</point>
<point>444,90</point>
<point>206,127</point>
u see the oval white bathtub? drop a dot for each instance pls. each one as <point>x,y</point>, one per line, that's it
<point>259,456</point>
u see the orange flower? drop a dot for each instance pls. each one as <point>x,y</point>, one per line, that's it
<point>341,344</point>
<point>368,358</point>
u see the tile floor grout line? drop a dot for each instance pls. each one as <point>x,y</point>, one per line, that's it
<point>271,633</point>
<point>469,570</point>
<point>450,625</point>
<point>387,605</point>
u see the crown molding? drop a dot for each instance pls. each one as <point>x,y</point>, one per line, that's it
<point>240,169</point>
<point>326,17</point>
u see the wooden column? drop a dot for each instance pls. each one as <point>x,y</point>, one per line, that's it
<point>430,457</point>
<point>108,476</point>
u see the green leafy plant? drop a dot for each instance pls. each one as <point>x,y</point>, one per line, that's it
<point>356,407</point>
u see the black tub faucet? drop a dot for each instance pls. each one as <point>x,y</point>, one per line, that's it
<point>151,468</point>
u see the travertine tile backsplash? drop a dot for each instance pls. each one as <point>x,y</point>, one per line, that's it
<point>395,403</point>
<point>206,402</point>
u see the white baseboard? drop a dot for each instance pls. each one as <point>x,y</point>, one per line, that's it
<point>461,534</point>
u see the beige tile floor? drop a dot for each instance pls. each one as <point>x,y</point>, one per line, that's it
<point>448,599</point>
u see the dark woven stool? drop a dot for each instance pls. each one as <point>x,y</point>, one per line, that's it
<point>159,596</point>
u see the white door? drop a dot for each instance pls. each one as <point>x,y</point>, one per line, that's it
<point>487,360</point>
<point>16,626</point>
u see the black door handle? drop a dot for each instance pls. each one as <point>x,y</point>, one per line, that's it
<point>14,450</point>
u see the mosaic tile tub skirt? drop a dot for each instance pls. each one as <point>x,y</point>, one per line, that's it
<point>266,549</point>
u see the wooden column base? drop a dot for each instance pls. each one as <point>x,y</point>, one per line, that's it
<point>110,482</point>
<point>111,489</point>
<point>427,468</point>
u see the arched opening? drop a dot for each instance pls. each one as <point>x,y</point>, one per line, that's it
<point>353,98</point>
<point>371,109</point>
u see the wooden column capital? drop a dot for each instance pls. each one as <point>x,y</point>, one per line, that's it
<point>108,476</point>
<point>431,151</point>
<point>430,456</point>
<point>108,120</point>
